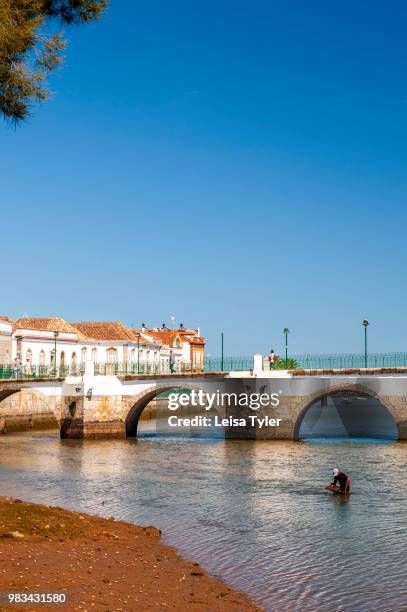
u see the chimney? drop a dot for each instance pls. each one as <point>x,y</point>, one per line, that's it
<point>163,326</point>
<point>181,327</point>
<point>143,327</point>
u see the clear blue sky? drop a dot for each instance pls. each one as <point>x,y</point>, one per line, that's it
<point>240,165</point>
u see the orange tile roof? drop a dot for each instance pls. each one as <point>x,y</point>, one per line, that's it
<point>166,336</point>
<point>193,339</point>
<point>145,338</point>
<point>190,336</point>
<point>44,324</point>
<point>104,330</point>
<point>169,336</point>
<point>6,319</point>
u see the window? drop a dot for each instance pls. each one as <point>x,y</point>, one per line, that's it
<point>111,355</point>
<point>84,353</point>
<point>29,356</point>
<point>94,355</point>
<point>62,358</point>
<point>42,358</point>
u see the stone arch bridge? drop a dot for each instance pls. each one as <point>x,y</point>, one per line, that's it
<point>90,407</point>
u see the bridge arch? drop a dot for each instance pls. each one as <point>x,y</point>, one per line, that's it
<point>9,389</point>
<point>23,408</point>
<point>135,405</point>
<point>346,391</point>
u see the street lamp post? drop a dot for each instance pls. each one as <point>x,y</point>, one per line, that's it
<point>56,334</point>
<point>286,331</point>
<point>221,352</point>
<point>365,324</point>
<point>138,353</point>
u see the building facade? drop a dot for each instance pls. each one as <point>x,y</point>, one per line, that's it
<point>6,329</point>
<point>185,347</point>
<point>40,343</point>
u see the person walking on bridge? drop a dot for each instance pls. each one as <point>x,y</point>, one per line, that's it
<point>16,367</point>
<point>172,363</point>
<point>272,358</point>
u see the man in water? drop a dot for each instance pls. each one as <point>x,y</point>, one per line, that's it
<point>341,480</point>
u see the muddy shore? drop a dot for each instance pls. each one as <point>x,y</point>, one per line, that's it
<point>100,564</point>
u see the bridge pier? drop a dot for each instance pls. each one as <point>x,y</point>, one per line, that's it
<point>397,406</point>
<point>93,418</point>
<point>285,414</point>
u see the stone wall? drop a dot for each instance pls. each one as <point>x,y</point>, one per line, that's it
<point>397,406</point>
<point>100,416</point>
<point>27,410</point>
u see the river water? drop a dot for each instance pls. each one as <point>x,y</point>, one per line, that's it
<point>253,513</point>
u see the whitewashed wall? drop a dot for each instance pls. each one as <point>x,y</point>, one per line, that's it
<point>38,346</point>
<point>5,342</point>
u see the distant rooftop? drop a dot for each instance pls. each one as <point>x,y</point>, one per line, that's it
<point>44,324</point>
<point>104,330</point>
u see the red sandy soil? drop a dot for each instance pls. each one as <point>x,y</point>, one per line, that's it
<point>101,564</point>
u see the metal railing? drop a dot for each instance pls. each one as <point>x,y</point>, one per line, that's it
<point>315,362</point>
<point>351,360</point>
<point>9,371</point>
<point>143,367</point>
<point>34,371</point>
<point>228,364</point>
<point>212,364</point>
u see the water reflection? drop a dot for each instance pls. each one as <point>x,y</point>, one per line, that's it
<point>255,513</point>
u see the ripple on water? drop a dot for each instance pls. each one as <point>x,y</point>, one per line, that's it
<point>254,513</point>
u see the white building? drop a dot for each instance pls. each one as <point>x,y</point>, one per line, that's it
<point>34,341</point>
<point>48,342</point>
<point>6,330</point>
<point>115,344</point>
<point>185,347</point>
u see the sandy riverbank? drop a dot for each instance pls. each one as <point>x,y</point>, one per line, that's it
<point>101,564</point>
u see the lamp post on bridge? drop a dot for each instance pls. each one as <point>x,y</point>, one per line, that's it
<point>56,334</point>
<point>138,352</point>
<point>286,331</point>
<point>365,324</point>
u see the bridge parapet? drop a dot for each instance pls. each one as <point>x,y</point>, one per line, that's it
<point>350,372</point>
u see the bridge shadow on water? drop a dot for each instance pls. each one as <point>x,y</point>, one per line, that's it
<point>159,428</point>
<point>340,418</point>
<point>154,421</point>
